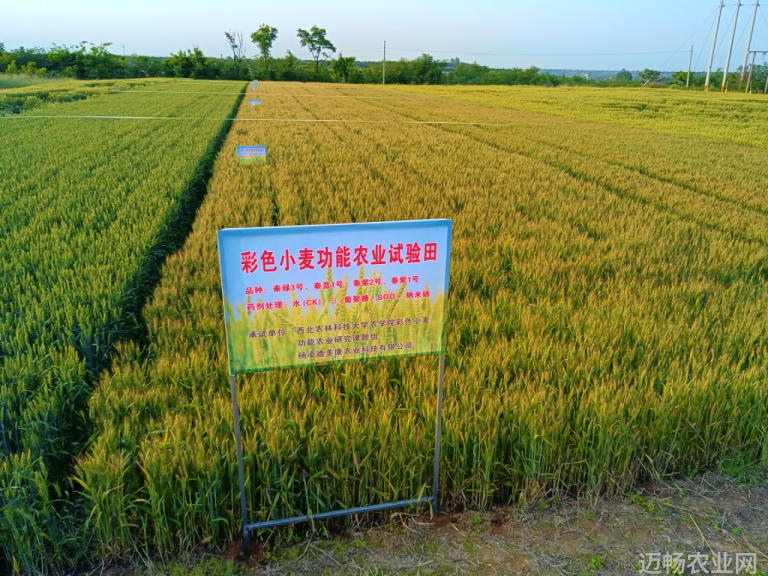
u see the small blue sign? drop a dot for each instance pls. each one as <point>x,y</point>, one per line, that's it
<point>251,154</point>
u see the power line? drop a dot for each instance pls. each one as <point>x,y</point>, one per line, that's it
<point>564,54</point>
<point>692,35</point>
<point>746,25</point>
<point>725,31</point>
<point>341,51</point>
<point>704,44</point>
<point>535,54</point>
<point>423,51</point>
<point>678,51</point>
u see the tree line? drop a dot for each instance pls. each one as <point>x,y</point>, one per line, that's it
<point>87,61</point>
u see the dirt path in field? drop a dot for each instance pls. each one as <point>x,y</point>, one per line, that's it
<point>714,514</point>
<point>711,515</point>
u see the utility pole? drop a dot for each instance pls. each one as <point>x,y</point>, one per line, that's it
<point>749,39</point>
<point>384,65</point>
<point>730,48</point>
<point>690,61</point>
<point>766,85</point>
<point>751,68</point>
<point>714,44</point>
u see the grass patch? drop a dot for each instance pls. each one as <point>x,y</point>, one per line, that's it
<point>23,80</point>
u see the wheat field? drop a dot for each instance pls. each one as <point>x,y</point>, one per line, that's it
<point>606,317</point>
<point>90,203</point>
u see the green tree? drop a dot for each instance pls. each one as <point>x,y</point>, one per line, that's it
<point>264,37</point>
<point>759,77</point>
<point>343,66</point>
<point>680,77</point>
<point>202,68</point>
<point>426,70</point>
<point>465,73</point>
<point>88,61</point>
<point>191,64</point>
<point>648,75</point>
<point>179,65</point>
<point>288,68</point>
<point>624,75</point>
<point>144,67</point>
<point>317,44</point>
<point>5,60</point>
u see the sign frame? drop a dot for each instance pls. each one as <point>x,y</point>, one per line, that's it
<point>432,500</point>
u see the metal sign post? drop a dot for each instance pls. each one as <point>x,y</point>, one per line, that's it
<point>240,472</point>
<point>431,500</point>
<point>317,295</point>
<point>438,434</point>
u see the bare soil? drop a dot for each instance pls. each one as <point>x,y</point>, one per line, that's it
<point>712,514</point>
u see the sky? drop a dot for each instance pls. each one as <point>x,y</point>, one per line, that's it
<point>568,34</point>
